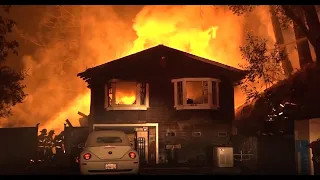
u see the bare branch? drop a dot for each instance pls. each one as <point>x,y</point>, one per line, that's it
<point>25,36</point>
<point>66,10</point>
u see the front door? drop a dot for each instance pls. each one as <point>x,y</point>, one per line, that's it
<point>142,145</point>
<point>152,146</point>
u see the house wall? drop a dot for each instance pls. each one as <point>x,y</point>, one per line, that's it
<point>306,131</point>
<point>183,122</point>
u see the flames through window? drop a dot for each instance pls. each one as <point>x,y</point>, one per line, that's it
<point>126,93</point>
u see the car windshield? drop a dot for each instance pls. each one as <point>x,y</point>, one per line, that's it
<point>108,140</point>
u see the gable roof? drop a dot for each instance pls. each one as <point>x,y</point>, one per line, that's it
<point>87,74</point>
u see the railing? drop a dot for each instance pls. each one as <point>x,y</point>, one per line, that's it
<point>242,156</point>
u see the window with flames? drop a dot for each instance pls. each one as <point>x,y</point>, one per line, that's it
<point>126,95</point>
<point>196,93</point>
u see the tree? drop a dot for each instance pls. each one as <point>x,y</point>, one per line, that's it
<point>302,47</point>
<point>11,87</point>
<point>303,16</point>
<point>262,66</point>
<point>59,25</point>
<point>58,35</point>
<point>286,64</point>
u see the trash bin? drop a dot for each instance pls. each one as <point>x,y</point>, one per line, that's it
<point>223,157</point>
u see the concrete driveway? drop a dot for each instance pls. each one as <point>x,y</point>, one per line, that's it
<point>189,171</point>
<point>42,169</point>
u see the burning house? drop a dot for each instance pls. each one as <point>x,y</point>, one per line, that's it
<point>168,98</point>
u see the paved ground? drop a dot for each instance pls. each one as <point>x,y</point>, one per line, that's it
<point>189,171</point>
<point>144,171</point>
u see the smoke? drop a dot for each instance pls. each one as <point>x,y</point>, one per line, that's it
<point>98,34</point>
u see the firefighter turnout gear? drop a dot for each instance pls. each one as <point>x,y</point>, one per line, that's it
<point>315,147</point>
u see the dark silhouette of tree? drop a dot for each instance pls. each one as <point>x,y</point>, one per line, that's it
<point>262,66</point>
<point>303,17</point>
<point>11,87</point>
<point>286,64</point>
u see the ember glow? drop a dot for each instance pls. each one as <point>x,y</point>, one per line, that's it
<point>106,34</point>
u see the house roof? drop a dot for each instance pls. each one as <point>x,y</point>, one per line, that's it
<point>87,74</point>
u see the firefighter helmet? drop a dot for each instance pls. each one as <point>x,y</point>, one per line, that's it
<point>51,132</point>
<point>43,131</point>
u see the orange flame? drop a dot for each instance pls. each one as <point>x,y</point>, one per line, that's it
<point>204,31</point>
<point>127,100</point>
<point>154,25</point>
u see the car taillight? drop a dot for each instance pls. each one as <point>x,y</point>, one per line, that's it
<point>132,155</point>
<point>87,156</point>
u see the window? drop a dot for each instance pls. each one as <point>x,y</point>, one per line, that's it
<point>222,134</point>
<point>108,140</point>
<point>196,134</point>
<point>126,95</point>
<point>196,93</point>
<point>171,134</point>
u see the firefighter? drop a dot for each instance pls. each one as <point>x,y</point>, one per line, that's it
<point>59,142</point>
<point>49,145</point>
<point>315,147</point>
<point>42,144</point>
<point>59,145</point>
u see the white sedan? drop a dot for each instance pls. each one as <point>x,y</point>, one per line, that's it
<point>108,152</point>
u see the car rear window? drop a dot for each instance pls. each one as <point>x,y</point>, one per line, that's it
<point>108,140</point>
<point>105,138</point>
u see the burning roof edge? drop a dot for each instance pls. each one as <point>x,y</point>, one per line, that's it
<point>280,90</point>
<point>86,74</point>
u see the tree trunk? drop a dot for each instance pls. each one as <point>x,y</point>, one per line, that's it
<point>286,64</point>
<point>314,29</point>
<point>303,47</point>
<point>317,51</point>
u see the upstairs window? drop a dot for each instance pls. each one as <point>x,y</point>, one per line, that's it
<point>126,95</point>
<point>196,93</point>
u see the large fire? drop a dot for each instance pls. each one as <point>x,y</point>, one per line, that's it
<point>125,93</point>
<point>213,33</point>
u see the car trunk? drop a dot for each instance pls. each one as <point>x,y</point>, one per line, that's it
<point>109,152</point>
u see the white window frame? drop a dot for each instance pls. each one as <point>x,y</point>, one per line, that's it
<point>115,106</point>
<point>186,106</point>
